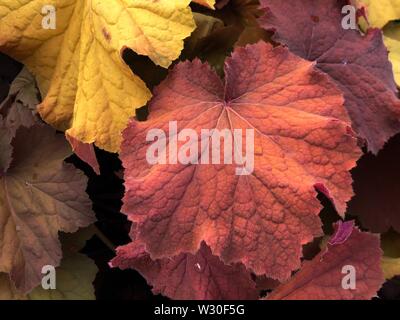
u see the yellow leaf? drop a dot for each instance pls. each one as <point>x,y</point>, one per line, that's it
<point>88,88</point>
<point>380,12</point>
<point>206,3</point>
<point>390,267</point>
<point>392,41</point>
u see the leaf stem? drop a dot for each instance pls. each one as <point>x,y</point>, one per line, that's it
<point>104,239</point>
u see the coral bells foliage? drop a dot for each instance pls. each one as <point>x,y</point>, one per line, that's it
<point>357,63</point>
<point>303,142</point>
<point>282,86</point>
<point>319,277</point>
<point>88,90</point>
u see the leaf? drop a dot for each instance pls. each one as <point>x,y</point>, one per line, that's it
<point>74,281</point>
<point>19,108</point>
<point>358,64</point>
<point>251,35</point>
<point>302,142</point>
<point>79,66</point>
<point>390,267</point>
<point>221,3</point>
<point>5,147</point>
<point>7,289</point>
<point>206,3</point>
<point>39,196</point>
<point>212,41</point>
<point>85,152</point>
<point>218,32</point>
<point>205,26</point>
<point>321,278</point>
<point>379,12</point>
<point>74,277</point>
<point>243,12</point>
<point>24,89</point>
<point>189,277</point>
<point>377,186</point>
<point>390,244</point>
<point>392,41</point>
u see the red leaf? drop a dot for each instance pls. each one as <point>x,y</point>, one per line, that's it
<point>190,277</point>
<point>358,64</point>
<point>85,152</point>
<point>262,219</point>
<point>321,278</point>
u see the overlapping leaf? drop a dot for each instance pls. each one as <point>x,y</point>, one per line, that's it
<point>39,196</point>
<point>19,107</point>
<point>88,89</point>
<point>206,3</point>
<point>359,64</point>
<point>379,12</point>
<point>391,259</point>
<point>323,278</point>
<point>74,277</point>
<point>202,276</point>
<point>85,151</point>
<point>302,142</point>
<point>392,41</point>
<point>382,14</point>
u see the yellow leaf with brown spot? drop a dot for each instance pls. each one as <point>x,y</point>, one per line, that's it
<point>88,90</point>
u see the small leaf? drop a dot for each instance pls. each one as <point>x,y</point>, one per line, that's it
<point>75,279</point>
<point>206,3</point>
<point>85,151</point>
<point>322,277</point>
<point>8,290</point>
<point>202,276</point>
<point>390,267</point>
<point>19,108</point>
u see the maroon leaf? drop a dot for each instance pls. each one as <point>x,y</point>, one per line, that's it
<point>322,278</point>
<point>359,64</point>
